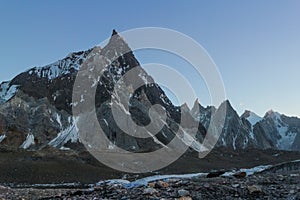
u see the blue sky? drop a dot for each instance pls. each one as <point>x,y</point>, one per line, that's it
<point>255,44</point>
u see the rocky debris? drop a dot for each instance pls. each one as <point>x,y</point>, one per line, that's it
<point>4,190</point>
<point>149,191</point>
<point>185,198</point>
<point>258,186</point>
<point>152,184</point>
<point>240,174</point>
<point>183,193</point>
<point>158,184</point>
<point>162,184</point>
<point>254,189</point>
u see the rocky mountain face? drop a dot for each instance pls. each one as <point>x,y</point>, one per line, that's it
<point>285,130</point>
<point>36,109</point>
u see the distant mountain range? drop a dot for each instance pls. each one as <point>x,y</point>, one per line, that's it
<point>36,110</point>
<point>249,130</point>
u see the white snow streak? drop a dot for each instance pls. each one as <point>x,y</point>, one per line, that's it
<point>28,142</point>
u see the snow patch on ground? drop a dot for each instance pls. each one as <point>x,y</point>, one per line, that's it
<point>64,148</point>
<point>59,185</point>
<point>145,181</point>
<point>249,171</point>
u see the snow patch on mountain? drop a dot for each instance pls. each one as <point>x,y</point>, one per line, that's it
<point>58,119</point>
<point>7,91</point>
<point>2,137</point>
<point>190,141</point>
<point>234,142</point>
<point>65,66</point>
<point>28,142</point>
<point>253,118</point>
<point>68,134</point>
<point>287,137</point>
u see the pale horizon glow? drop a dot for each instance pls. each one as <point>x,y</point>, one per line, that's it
<point>255,44</point>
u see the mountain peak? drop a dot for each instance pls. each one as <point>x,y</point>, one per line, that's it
<point>272,114</point>
<point>227,104</point>
<point>185,106</point>
<point>196,102</point>
<point>116,47</point>
<point>115,37</point>
<point>252,117</point>
<point>246,114</point>
<point>114,32</point>
<point>249,113</point>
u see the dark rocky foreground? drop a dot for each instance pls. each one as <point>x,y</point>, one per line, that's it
<point>258,186</point>
<point>25,175</point>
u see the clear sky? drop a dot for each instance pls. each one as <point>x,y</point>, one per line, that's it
<point>255,44</point>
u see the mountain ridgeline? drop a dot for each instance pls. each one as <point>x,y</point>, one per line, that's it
<point>36,110</point>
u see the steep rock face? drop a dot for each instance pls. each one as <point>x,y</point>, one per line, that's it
<point>31,123</point>
<point>201,114</point>
<point>236,131</point>
<point>120,60</point>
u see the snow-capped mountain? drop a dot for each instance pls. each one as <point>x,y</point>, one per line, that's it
<point>36,109</point>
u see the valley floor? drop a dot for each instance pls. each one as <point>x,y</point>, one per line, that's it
<point>259,186</point>
<point>38,175</point>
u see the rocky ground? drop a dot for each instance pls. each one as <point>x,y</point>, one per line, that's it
<point>258,186</point>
